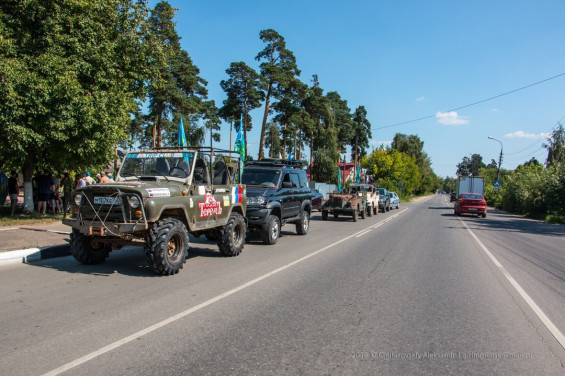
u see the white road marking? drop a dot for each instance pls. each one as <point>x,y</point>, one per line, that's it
<point>198,307</point>
<point>537,310</point>
<point>363,233</point>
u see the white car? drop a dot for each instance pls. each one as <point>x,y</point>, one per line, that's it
<point>394,200</point>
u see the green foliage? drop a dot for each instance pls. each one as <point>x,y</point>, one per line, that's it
<point>278,71</point>
<point>71,72</point>
<point>361,133</point>
<point>244,93</point>
<point>470,166</point>
<point>389,166</point>
<point>556,146</point>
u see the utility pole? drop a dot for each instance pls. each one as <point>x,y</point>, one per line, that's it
<point>499,159</point>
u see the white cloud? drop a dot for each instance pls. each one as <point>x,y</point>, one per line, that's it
<point>379,143</point>
<point>522,134</point>
<point>420,99</point>
<point>450,118</point>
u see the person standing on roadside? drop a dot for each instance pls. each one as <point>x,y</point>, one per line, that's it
<point>89,180</point>
<point>13,190</point>
<point>104,178</point>
<point>44,189</point>
<point>67,185</point>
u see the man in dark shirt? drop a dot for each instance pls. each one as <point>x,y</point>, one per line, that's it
<point>13,190</point>
<point>44,185</point>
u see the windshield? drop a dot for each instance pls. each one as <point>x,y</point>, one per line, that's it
<point>157,164</point>
<point>259,177</point>
<point>382,191</point>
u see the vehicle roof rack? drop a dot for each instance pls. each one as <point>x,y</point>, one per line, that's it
<point>271,162</point>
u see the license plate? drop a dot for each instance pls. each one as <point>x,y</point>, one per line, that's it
<point>98,200</point>
<point>472,209</point>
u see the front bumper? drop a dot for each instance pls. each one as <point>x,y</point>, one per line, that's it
<point>96,228</point>
<point>257,215</point>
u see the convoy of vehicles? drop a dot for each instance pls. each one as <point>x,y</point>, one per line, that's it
<point>161,196</point>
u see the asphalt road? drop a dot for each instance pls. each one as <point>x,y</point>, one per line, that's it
<point>408,292</point>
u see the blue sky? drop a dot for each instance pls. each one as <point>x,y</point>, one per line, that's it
<point>405,60</point>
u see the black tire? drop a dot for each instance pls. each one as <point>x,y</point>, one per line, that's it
<point>85,252</point>
<point>271,230</point>
<point>388,207</point>
<point>369,211</point>
<point>376,210</point>
<point>324,215</point>
<point>231,238</point>
<point>303,225</point>
<point>362,212</point>
<point>355,216</point>
<point>336,216</point>
<point>167,246</point>
<point>484,215</point>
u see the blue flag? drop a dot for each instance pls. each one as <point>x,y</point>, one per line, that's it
<point>338,178</point>
<point>239,146</point>
<point>358,180</point>
<point>182,137</point>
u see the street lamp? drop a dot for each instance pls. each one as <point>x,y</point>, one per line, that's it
<point>499,158</point>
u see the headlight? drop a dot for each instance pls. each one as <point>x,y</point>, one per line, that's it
<point>134,202</point>
<point>78,199</point>
<point>256,200</point>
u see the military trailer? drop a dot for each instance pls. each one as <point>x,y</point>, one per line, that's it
<point>159,197</point>
<point>370,193</point>
<point>350,203</point>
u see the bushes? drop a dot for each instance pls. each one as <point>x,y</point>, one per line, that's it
<point>534,190</point>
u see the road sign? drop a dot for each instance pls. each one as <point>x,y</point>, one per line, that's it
<point>497,183</point>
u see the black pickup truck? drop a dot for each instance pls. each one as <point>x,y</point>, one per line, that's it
<point>277,194</point>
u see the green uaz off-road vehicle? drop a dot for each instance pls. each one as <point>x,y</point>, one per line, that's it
<point>159,197</point>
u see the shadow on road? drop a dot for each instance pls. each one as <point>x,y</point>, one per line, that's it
<point>129,261</point>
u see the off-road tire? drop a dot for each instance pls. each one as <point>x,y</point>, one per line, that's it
<point>354,216</point>
<point>231,238</point>
<point>303,225</point>
<point>271,231</point>
<point>324,215</point>
<point>83,250</point>
<point>167,246</point>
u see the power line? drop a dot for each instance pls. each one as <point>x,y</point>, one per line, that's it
<point>472,104</point>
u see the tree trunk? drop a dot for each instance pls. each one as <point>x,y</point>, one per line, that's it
<point>264,125</point>
<point>27,171</point>
<point>158,131</point>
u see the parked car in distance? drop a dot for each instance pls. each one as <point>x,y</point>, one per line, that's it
<point>452,196</point>
<point>384,200</point>
<point>470,203</point>
<point>394,200</point>
<point>317,200</point>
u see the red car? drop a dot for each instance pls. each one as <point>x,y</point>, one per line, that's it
<point>470,203</point>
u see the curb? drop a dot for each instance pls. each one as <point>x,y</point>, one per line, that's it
<point>25,256</point>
